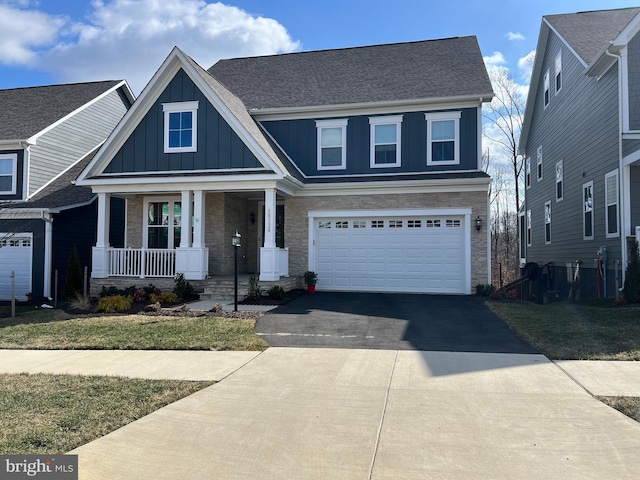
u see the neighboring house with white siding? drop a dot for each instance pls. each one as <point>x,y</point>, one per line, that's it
<point>45,134</point>
<point>581,139</point>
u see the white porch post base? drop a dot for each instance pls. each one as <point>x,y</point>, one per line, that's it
<point>274,263</point>
<point>193,262</point>
<point>100,262</point>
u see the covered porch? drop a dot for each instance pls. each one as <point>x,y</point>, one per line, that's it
<point>190,232</point>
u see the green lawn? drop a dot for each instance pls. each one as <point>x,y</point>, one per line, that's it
<point>575,331</point>
<point>55,329</point>
<point>53,414</point>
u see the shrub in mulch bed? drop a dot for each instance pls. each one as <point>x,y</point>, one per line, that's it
<point>267,300</point>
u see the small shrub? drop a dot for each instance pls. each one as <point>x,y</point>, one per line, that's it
<point>151,288</point>
<point>484,290</point>
<point>513,294</point>
<point>80,303</point>
<point>140,296</point>
<point>110,291</point>
<point>167,298</point>
<point>73,283</point>
<point>620,301</point>
<point>631,289</point>
<point>114,304</point>
<point>496,295</point>
<point>183,289</point>
<point>254,287</point>
<point>276,292</point>
<point>310,277</point>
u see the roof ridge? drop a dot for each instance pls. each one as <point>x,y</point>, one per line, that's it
<point>62,84</point>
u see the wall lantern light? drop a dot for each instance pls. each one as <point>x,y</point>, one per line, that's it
<point>478,223</point>
<point>235,239</point>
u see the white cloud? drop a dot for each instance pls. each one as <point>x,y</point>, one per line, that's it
<point>525,64</point>
<point>23,32</point>
<point>494,60</point>
<point>130,39</point>
<point>514,37</point>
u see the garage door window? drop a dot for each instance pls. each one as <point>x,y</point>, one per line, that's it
<point>453,224</point>
<point>377,223</point>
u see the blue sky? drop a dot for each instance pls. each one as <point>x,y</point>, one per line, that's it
<point>54,41</point>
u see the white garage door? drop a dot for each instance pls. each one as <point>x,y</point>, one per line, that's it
<point>392,254</point>
<point>15,255</point>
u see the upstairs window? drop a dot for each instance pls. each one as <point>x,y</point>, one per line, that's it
<point>547,222</point>
<point>443,142</point>
<point>385,141</point>
<point>587,210</point>
<point>559,181</point>
<point>180,127</point>
<point>539,163</point>
<point>528,228</point>
<point>611,194</point>
<point>527,171</point>
<point>8,173</point>
<point>558,72</point>
<point>546,89</point>
<point>332,144</point>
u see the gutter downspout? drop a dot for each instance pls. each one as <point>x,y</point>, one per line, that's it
<point>622,181</point>
<point>48,251</point>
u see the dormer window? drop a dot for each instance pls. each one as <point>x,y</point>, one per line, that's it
<point>180,127</point>
<point>8,173</point>
<point>385,141</point>
<point>443,138</point>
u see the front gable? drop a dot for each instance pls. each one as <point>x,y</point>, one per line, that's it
<point>218,146</point>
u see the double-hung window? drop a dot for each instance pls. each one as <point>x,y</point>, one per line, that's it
<point>587,211</point>
<point>529,228</point>
<point>332,144</point>
<point>558,72</point>
<point>385,141</point>
<point>163,223</point>
<point>547,222</point>
<point>443,138</point>
<point>611,195</point>
<point>546,89</point>
<point>559,181</point>
<point>180,127</point>
<point>8,173</point>
<point>539,163</point>
<point>527,170</point>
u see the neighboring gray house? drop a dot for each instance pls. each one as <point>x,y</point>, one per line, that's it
<point>45,134</point>
<point>581,138</point>
<point>362,164</point>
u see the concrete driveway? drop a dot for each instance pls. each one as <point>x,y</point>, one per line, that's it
<point>389,321</point>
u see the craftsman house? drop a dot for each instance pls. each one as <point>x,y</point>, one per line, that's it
<point>362,164</point>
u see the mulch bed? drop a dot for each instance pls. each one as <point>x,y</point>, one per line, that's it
<point>265,300</point>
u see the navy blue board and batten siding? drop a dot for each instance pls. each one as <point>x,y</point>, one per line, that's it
<point>580,127</point>
<point>19,177</point>
<point>219,147</point>
<point>298,138</point>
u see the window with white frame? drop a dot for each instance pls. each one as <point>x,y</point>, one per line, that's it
<point>528,228</point>
<point>539,163</point>
<point>443,138</point>
<point>163,223</point>
<point>180,127</point>
<point>587,211</point>
<point>547,222</point>
<point>527,170</point>
<point>558,72</point>
<point>332,144</point>
<point>611,195</point>
<point>546,88</point>
<point>385,141</point>
<point>8,173</point>
<point>522,234</point>
<point>559,180</point>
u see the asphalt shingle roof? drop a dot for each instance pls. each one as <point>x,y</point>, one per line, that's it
<point>422,70</point>
<point>588,33</point>
<point>27,111</point>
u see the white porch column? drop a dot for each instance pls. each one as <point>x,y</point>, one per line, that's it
<point>185,231</point>
<point>192,258</point>
<point>100,253</point>
<point>269,260</point>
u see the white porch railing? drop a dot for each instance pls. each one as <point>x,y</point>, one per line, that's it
<point>142,262</point>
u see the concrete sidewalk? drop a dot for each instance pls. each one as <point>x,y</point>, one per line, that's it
<point>384,414</point>
<point>151,364</point>
<point>604,378</point>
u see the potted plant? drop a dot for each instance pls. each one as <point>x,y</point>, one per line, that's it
<point>311,278</point>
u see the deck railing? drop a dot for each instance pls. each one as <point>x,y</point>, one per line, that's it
<point>142,262</point>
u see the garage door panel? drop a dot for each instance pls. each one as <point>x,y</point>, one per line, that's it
<point>417,254</point>
<point>15,256</point>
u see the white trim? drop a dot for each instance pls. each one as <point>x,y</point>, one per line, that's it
<point>547,204</point>
<point>585,211</point>
<point>373,123</point>
<point>439,117</point>
<point>613,174</point>
<point>320,126</point>
<point>146,200</point>
<point>13,158</point>
<point>522,242</point>
<point>181,107</point>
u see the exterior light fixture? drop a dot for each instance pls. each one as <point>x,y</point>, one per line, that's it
<point>478,223</point>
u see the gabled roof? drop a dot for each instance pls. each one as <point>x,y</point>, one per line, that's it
<point>588,35</point>
<point>431,69</point>
<point>62,193</point>
<point>27,111</point>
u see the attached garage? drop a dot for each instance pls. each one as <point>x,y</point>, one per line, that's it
<point>15,255</point>
<point>424,251</point>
